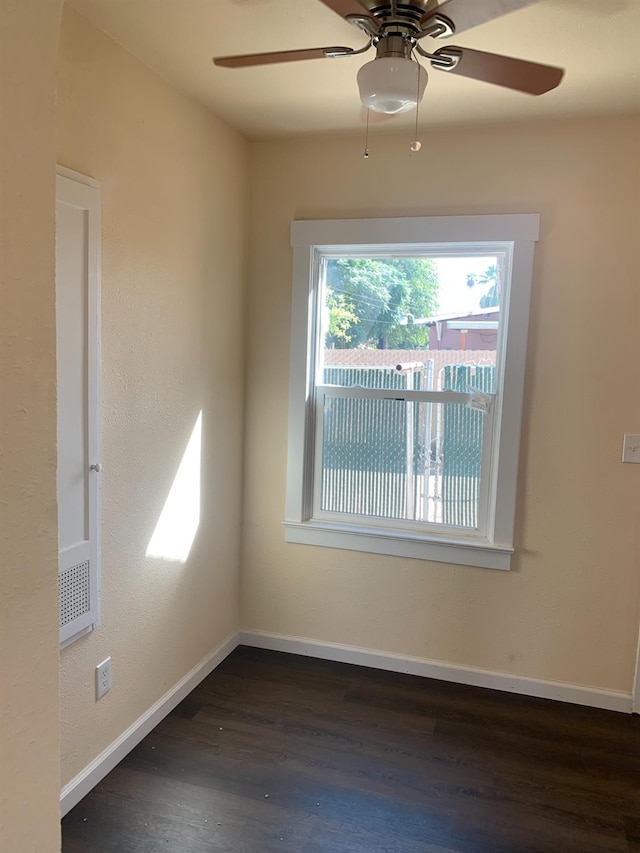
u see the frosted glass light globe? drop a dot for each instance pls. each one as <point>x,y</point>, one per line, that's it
<point>391,85</point>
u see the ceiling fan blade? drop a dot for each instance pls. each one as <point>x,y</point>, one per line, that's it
<point>248,59</point>
<point>466,14</point>
<point>519,74</point>
<point>346,7</point>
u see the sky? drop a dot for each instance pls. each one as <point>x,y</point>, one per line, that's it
<point>454,297</point>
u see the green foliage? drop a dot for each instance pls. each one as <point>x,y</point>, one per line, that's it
<point>372,302</point>
<point>341,317</point>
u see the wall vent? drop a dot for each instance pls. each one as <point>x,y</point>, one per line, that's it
<point>74,586</point>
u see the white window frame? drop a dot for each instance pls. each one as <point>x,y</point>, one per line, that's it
<point>312,240</point>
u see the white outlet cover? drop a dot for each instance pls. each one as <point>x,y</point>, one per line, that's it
<point>631,447</point>
<point>103,678</point>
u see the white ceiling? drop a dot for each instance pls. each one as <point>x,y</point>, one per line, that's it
<point>596,41</point>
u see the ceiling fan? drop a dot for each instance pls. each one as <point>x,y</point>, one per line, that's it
<point>395,81</point>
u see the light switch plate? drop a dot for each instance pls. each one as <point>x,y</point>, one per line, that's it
<point>631,447</point>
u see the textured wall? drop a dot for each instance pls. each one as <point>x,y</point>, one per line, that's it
<point>173,191</point>
<point>29,764</point>
<point>568,611</point>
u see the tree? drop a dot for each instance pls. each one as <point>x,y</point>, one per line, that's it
<point>372,302</point>
<point>341,317</point>
<point>490,276</point>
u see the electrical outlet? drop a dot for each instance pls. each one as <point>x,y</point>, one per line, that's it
<point>103,678</point>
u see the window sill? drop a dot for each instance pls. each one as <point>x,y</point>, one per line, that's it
<point>468,552</point>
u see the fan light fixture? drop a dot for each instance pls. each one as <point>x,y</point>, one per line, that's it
<point>391,84</point>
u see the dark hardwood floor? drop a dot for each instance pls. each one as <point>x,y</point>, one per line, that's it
<point>275,752</point>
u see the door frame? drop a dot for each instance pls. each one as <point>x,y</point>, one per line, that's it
<point>635,698</point>
<point>84,192</point>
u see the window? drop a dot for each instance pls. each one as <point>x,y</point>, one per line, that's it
<point>407,372</point>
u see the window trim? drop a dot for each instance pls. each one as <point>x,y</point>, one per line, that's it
<point>312,238</point>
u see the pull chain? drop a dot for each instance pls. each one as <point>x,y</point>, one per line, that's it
<point>416,145</point>
<point>366,138</point>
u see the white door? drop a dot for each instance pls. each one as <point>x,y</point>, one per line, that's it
<point>78,366</point>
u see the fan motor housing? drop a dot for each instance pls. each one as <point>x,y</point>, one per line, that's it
<point>395,45</point>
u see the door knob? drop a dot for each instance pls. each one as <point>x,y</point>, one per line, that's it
<point>97,467</point>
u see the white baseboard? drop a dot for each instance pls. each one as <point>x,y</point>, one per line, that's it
<point>636,682</point>
<point>609,700</point>
<point>96,770</point>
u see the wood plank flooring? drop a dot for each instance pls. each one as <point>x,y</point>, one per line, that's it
<point>276,752</point>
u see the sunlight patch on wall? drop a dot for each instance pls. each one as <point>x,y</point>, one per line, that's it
<point>178,523</point>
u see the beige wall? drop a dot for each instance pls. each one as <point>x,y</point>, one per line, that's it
<point>29,764</point>
<point>568,611</point>
<point>173,191</point>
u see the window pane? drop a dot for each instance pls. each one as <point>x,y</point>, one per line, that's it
<point>403,460</point>
<point>460,444</point>
<point>420,313</point>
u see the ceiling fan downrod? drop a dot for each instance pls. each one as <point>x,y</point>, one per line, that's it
<point>398,40</point>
